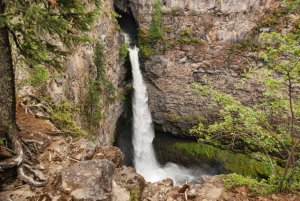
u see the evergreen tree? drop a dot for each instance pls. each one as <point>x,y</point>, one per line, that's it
<point>33,26</point>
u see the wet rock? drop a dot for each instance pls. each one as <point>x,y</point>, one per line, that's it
<point>110,153</point>
<point>89,180</point>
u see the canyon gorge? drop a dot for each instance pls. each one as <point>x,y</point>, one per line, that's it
<point>120,119</point>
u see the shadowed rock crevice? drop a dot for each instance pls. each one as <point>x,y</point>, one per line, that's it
<point>127,23</point>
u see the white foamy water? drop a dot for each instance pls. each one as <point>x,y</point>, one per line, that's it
<point>144,157</point>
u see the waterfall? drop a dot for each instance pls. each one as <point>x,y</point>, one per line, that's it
<point>144,157</point>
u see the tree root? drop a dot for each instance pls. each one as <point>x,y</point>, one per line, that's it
<point>16,160</point>
<point>40,181</point>
<point>31,104</point>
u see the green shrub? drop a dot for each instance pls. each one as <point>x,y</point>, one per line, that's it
<point>38,76</point>
<point>123,51</point>
<point>148,39</point>
<point>256,187</point>
<point>155,31</point>
<point>268,125</point>
<point>100,90</point>
<point>146,51</point>
<point>62,117</point>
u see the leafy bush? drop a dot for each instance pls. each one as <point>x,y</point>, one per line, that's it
<point>270,126</point>
<point>257,187</point>
<point>146,51</point>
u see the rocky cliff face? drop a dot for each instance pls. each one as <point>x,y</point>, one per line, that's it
<point>72,84</point>
<point>200,45</point>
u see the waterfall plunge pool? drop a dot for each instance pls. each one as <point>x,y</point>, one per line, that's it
<point>135,132</point>
<point>143,155</point>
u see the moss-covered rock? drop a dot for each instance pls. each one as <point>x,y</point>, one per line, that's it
<point>231,162</point>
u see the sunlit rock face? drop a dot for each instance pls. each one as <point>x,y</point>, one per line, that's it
<point>199,39</point>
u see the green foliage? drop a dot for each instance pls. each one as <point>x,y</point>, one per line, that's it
<point>270,126</point>
<point>174,117</point>
<point>93,113</point>
<point>276,18</point>
<point>38,76</point>
<point>186,36</point>
<point>2,140</point>
<point>99,62</point>
<point>135,195</point>
<point>29,22</point>
<point>257,187</point>
<point>185,39</point>
<point>281,53</point>
<point>155,31</point>
<point>175,11</point>
<point>62,117</point>
<point>292,6</point>
<point>95,88</point>
<point>244,45</point>
<point>123,51</point>
<point>148,39</point>
<point>146,51</point>
<point>232,162</point>
<point>236,122</point>
<point>100,91</point>
<point>115,15</point>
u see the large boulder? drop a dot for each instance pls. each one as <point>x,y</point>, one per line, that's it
<point>129,178</point>
<point>89,180</point>
<point>82,149</point>
<point>110,153</point>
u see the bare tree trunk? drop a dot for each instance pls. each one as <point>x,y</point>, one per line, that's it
<point>7,85</point>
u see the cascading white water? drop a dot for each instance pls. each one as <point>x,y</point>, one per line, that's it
<point>144,157</point>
